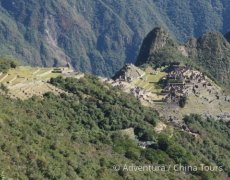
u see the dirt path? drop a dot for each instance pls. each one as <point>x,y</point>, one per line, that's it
<point>45,73</point>
<point>4,78</point>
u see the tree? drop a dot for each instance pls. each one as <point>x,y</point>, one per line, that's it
<point>182,101</point>
<point>133,153</point>
<point>163,142</point>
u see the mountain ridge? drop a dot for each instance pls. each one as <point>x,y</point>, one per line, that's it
<point>98,37</point>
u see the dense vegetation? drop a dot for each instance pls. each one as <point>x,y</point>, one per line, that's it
<point>212,142</point>
<point>213,55</point>
<point>81,136</point>
<point>99,36</point>
<point>6,64</point>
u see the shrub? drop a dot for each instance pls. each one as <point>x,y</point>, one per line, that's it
<point>6,64</point>
<point>177,153</point>
<point>155,156</point>
<point>133,153</point>
<point>163,142</point>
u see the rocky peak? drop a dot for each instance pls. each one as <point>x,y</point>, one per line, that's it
<point>214,56</point>
<point>155,40</point>
<point>158,38</point>
<point>212,43</point>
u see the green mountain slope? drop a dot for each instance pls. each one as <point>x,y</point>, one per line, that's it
<point>82,136</point>
<point>99,36</point>
<point>213,55</point>
<point>210,53</point>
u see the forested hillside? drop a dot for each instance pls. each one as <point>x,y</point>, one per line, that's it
<point>57,123</point>
<point>82,136</point>
<point>99,36</point>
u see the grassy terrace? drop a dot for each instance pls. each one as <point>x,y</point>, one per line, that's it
<point>150,80</point>
<point>27,74</point>
<point>24,82</point>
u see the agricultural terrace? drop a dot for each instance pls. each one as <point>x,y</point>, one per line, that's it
<point>24,82</point>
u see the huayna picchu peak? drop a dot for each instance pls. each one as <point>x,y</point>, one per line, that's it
<point>210,53</point>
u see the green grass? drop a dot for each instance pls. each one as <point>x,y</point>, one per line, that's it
<point>150,81</point>
<point>22,81</point>
<point>28,74</point>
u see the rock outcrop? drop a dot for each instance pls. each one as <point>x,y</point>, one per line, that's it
<point>128,73</point>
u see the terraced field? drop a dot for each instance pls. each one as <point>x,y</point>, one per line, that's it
<point>25,82</point>
<point>150,80</point>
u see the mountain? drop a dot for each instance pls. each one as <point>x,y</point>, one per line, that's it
<point>86,129</point>
<point>213,55</point>
<point>210,53</point>
<point>158,48</point>
<point>99,36</point>
<point>165,118</point>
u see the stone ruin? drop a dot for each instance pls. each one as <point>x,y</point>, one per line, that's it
<point>129,73</point>
<point>179,82</point>
<point>63,70</point>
